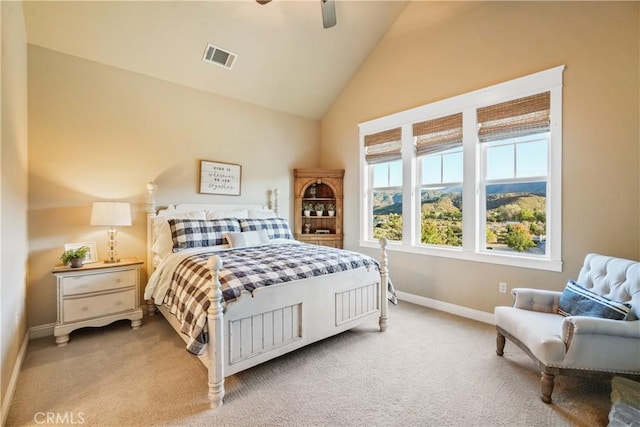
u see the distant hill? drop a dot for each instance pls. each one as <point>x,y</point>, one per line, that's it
<point>387,202</point>
<point>526,195</point>
<point>537,188</point>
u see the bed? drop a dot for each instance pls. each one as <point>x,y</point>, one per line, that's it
<point>263,305</point>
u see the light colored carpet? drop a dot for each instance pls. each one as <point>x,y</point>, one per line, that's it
<point>429,369</point>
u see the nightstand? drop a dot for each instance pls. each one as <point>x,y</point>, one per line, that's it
<point>97,294</point>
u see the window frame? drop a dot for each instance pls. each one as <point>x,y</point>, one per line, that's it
<point>485,182</point>
<point>373,189</point>
<point>548,80</point>
<point>421,186</point>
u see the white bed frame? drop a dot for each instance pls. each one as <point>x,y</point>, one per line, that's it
<point>278,318</point>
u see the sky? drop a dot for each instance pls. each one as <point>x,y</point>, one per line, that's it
<point>506,159</point>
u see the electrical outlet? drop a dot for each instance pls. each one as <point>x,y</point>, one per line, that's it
<point>502,287</point>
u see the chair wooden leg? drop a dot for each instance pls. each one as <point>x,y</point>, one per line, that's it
<point>500,340</point>
<point>546,381</point>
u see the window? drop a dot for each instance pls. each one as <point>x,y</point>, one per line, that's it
<point>440,168</point>
<point>515,137</point>
<point>384,156</point>
<point>475,177</point>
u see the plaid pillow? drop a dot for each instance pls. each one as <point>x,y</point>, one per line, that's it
<point>194,233</point>
<point>276,227</point>
<point>578,301</point>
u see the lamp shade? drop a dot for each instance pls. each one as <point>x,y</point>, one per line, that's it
<point>110,213</point>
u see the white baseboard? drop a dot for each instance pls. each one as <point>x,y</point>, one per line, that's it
<point>11,388</point>
<point>458,310</point>
<point>41,331</point>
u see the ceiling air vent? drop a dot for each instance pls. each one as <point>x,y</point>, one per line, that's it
<point>215,55</point>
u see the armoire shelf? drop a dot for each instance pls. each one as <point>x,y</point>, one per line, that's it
<point>318,186</point>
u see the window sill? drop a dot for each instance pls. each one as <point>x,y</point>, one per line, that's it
<point>501,259</point>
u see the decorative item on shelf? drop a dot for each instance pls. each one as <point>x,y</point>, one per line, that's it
<point>312,190</point>
<point>74,257</point>
<point>331,209</point>
<point>307,228</point>
<point>323,231</point>
<point>319,208</point>
<point>111,214</point>
<point>307,208</point>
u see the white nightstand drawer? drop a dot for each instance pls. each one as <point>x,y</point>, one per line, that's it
<point>84,308</point>
<point>84,283</point>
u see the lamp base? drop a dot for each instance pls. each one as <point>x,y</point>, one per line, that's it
<point>111,233</point>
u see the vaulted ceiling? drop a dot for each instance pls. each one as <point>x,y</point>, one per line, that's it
<point>285,60</point>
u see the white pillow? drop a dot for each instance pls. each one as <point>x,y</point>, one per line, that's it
<point>240,214</point>
<point>247,238</point>
<point>163,243</point>
<point>261,214</point>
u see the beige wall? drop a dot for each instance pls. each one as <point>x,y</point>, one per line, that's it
<point>13,191</point>
<point>436,50</point>
<point>100,133</point>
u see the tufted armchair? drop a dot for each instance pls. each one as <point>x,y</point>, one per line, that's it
<point>577,344</point>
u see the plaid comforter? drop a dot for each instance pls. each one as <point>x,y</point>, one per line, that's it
<point>245,269</point>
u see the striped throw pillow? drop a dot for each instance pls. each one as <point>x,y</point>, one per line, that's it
<point>579,301</point>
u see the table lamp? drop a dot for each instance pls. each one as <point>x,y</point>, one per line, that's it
<point>111,214</point>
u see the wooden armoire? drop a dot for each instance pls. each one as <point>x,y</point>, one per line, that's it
<point>318,188</point>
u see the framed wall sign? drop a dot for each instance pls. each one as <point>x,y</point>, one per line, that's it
<point>220,178</point>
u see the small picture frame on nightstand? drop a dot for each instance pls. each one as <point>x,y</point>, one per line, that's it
<point>91,256</point>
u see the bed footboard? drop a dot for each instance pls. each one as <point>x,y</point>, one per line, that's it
<point>264,326</point>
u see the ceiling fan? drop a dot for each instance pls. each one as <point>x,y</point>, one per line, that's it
<point>328,12</point>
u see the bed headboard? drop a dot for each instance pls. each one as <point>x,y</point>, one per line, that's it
<point>272,206</point>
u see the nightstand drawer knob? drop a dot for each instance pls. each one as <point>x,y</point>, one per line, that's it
<point>118,280</point>
<point>85,308</point>
<point>119,303</point>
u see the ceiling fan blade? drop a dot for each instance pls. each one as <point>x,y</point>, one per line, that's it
<point>328,13</point>
<point>263,1</point>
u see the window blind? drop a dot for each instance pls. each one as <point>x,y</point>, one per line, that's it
<point>515,118</point>
<point>438,135</point>
<point>383,146</point>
